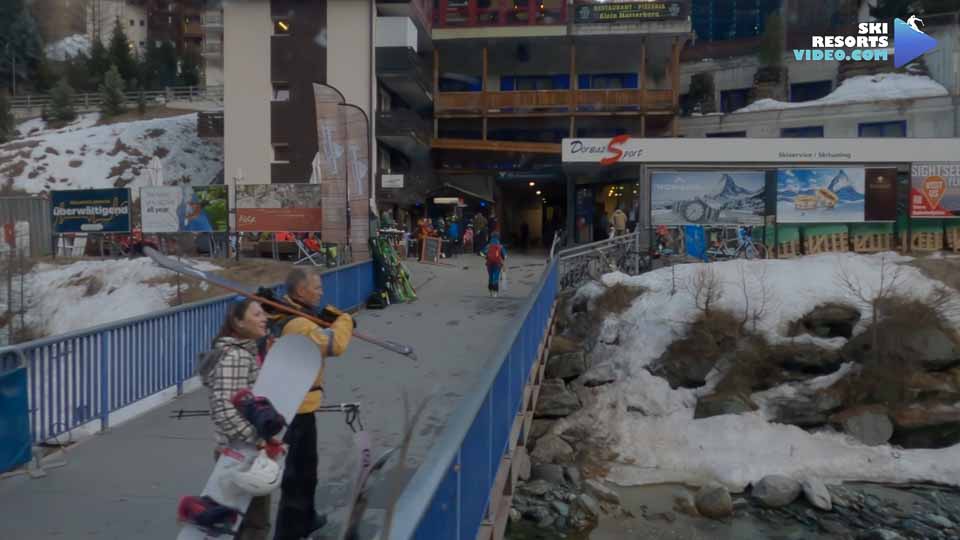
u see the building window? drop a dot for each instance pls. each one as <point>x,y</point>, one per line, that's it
<point>141,44</point>
<point>897,128</point>
<point>809,91</point>
<point>281,26</point>
<point>169,20</point>
<point>731,100</point>
<point>281,153</point>
<point>132,23</point>
<point>802,132</point>
<point>727,134</point>
<point>281,91</point>
<point>142,22</point>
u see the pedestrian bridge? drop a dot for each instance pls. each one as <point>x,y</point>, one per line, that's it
<point>110,392</point>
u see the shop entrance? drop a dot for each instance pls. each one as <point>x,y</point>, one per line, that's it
<point>530,211</point>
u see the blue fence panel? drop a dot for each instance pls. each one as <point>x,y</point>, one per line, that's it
<point>14,427</point>
<point>83,376</point>
<point>476,436</point>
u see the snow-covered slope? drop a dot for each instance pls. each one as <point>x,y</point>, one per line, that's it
<point>69,46</point>
<point>666,444</point>
<point>85,155</point>
<point>863,88</point>
<point>88,293</point>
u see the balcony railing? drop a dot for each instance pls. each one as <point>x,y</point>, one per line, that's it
<point>212,47</point>
<point>212,20</point>
<point>469,13</point>
<point>555,101</point>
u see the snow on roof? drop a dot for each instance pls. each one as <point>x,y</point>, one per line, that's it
<point>68,46</point>
<point>73,297</point>
<point>86,156</point>
<point>862,88</point>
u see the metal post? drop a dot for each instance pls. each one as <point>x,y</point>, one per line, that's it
<point>105,380</point>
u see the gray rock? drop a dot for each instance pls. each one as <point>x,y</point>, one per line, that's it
<point>597,489</point>
<point>831,320</point>
<point>714,501</point>
<point>683,502</point>
<point>539,427</point>
<point>599,375</point>
<point>809,359</point>
<point>522,463</point>
<point>552,449</point>
<point>549,472</point>
<point>806,409</point>
<point>562,508</point>
<point>563,345</point>
<point>870,425</point>
<point>776,491</point>
<point>726,403</point>
<point>572,474</point>
<point>939,521</point>
<point>929,348</point>
<point>683,366</point>
<point>816,493</point>
<point>537,488</point>
<point>515,515</point>
<point>588,505</point>
<point>566,366</point>
<point>880,534</point>
<point>556,400</point>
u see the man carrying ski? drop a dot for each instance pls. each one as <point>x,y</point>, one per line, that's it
<point>297,517</point>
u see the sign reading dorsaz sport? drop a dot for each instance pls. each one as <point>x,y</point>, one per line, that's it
<point>626,149</point>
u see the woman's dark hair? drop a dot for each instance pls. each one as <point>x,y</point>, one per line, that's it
<point>235,312</point>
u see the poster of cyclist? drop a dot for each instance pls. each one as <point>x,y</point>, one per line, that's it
<point>708,197</point>
<point>821,195</point>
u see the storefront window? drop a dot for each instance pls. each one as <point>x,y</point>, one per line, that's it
<point>596,205</point>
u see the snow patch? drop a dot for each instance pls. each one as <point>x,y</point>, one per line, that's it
<point>652,428</point>
<point>70,46</point>
<point>860,89</point>
<point>89,293</point>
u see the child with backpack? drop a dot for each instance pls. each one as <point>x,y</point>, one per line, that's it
<point>496,255</point>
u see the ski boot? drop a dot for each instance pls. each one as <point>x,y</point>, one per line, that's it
<point>207,515</point>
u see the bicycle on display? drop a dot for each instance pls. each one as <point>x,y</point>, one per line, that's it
<point>741,247</point>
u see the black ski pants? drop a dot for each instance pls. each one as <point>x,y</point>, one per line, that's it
<point>295,516</point>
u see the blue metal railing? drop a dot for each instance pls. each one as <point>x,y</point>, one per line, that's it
<point>449,494</point>
<point>83,376</point>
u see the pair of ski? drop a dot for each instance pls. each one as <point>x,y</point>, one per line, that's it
<point>289,369</point>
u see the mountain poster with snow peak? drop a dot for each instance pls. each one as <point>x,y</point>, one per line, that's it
<point>821,195</point>
<point>708,197</point>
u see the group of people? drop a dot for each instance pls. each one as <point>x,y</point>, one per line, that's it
<point>243,341</point>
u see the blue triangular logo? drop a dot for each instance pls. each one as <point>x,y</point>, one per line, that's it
<point>908,43</point>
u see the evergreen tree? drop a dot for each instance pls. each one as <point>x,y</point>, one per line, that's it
<point>771,43</point>
<point>112,100</point>
<point>20,42</point>
<point>190,67</point>
<point>150,67</point>
<point>120,53</point>
<point>61,102</point>
<point>7,123</point>
<point>44,78</point>
<point>98,64</point>
<point>141,101</point>
<point>167,65</point>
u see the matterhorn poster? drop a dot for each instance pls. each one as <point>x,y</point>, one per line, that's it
<point>821,195</point>
<point>708,197</point>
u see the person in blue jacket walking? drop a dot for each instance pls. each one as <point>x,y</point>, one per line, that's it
<point>496,255</point>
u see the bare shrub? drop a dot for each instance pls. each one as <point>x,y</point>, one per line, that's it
<point>706,289</point>
<point>616,299</point>
<point>758,298</point>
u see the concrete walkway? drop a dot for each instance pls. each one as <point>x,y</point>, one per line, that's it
<point>125,483</point>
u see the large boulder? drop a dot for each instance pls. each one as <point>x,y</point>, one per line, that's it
<point>816,493</point>
<point>714,501</point>
<point>599,375</point>
<point>567,366</point>
<point>563,345</point>
<point>869,424</point>
<point>927,425</point>
<point>929,348</point>
<point>686,364</point>
<point>806,409</point>
<point>601,492</point>
<point>556,400</point>
<point>808,359</point>
<point>552,449</point>
<point>924,386</point>
<point>776,491</point>
<point>547,472</point>
<point>829,320</point>
<point>724,403</point>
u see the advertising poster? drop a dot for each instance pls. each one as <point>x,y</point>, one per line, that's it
<point>358,179</point>
<point>172,209</point>
<point>331,135</point>
<point>935,190</point>
<point>90,210</point>
<point>821,195</point>
<point>881,195</point>
<point>279,208</point>
<point>708,197</point>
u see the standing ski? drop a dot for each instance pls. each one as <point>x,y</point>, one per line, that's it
<point>209,277</point>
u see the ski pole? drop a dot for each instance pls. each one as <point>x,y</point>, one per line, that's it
<point>165,262</point>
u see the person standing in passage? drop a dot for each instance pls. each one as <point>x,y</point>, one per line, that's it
<point>297,517</point>
<point>619,222</point>
<point>496,257</point>
<point>480,232</point>
<point>237,369</point>
<point>525,236</point>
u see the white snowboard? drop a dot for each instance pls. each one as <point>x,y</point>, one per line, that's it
<point>287,374</point>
